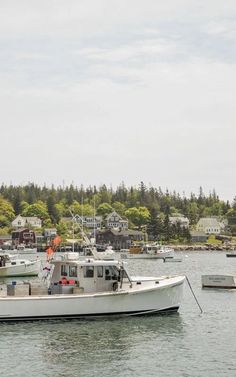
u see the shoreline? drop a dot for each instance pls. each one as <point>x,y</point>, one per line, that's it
<point>203,247</point>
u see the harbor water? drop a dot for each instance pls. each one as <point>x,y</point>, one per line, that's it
<point>186,344</point>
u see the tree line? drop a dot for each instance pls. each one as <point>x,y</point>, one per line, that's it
<point>144,206</point>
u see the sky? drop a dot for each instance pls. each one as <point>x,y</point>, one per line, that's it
<point>108,91</point>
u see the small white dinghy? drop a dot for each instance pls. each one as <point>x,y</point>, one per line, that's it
<point>11,265</point>
<point>219,281</point>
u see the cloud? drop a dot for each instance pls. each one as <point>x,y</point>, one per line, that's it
<point>106,91</point>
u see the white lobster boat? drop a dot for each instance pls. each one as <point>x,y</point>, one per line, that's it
<point>90,287</point>
<point>22,249</point>
<point>11,266</point>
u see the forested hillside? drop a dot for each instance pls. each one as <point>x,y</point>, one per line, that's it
<point>142,205</point>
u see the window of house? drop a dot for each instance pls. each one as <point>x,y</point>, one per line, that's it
<point>88,271</point>
<point>73,271</point>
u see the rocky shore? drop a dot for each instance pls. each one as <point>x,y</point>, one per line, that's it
<point>207,247</point>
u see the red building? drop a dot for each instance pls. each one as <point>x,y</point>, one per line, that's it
<point>23,237</point>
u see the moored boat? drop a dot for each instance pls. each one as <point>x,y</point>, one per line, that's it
<point>231,255</point>
<point>149,251</point>
<point>11,266</point>
<point>91,287</point>
<point>22,249</point>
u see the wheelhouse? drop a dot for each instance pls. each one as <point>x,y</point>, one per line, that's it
<point>88,275</point>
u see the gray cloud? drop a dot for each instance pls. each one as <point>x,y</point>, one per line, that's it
<point>108,91</point>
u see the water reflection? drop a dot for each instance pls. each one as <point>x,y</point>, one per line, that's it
<point>113,337</point>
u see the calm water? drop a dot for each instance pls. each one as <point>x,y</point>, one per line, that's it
<point>185,344</point>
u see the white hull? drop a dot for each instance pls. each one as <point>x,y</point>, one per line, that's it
<point>144,297</point>
<point>219,281</point>
<point>163,255</point>
<point>23,251</point>
<point>26,269</point>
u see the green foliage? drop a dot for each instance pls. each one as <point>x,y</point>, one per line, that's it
<point>38,209</point>
<point>119,208</point>
<point>4,222</point>
<point>138,216</point>
<point>81,210</point>
<point>104,209</point>
<point>62,228</point>
<point>52,204</point>
<point>52,209</point>
<point>6,210</point>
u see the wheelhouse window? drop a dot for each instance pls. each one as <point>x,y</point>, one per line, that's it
<point>63,270</point>
<point>88,271</point>
<point>111,273</point>
<point>99,271</point>
<point>73,271</point>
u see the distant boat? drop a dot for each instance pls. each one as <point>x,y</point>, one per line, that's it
<point>22,249</point>
<point>11,266</point>
<point>219,281</point>
<point>231,255</point>
<point>149,251</point>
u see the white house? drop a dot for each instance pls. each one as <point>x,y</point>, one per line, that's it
<point>114,220</point>
<point>179,219</point>
<point>50,232</point>
<point>24,222</point>
<point>92,222</point>
<point>209,225</point>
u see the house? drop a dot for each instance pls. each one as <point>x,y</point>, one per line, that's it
<point>90,222</point>
<point>22,222</point>
<point>23,236</point>
<point>119,239</point>
<point>179,219</point>
<point>114,220</point>
<point>210,225</point>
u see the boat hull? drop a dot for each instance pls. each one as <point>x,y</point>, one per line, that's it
<point>26,269</point>
<point>22,251</point>
<point>147,256</point>
<point>152,298</point>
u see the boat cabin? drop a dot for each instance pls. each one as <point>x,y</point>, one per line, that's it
<point>7,260</point>
<point>151,249</point>
<point>4,259</point>
<point>86,275</point>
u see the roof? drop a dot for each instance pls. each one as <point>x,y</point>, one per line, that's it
<point>31,218</point>
<point>209,221</point>
<point>90,261</point>
<point>27,218</point>
<point>114,213</point>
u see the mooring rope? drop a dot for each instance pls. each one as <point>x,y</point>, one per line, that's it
<point>194,294</point>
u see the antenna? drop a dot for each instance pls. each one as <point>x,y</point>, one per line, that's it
<point>82,213</point>
<point>94,220</point>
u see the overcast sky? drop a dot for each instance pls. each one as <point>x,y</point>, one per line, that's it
<point>106,91</point>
